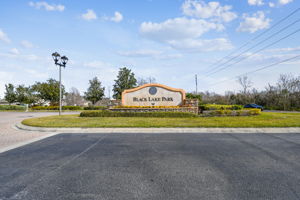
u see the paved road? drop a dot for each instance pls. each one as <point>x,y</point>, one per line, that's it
<point>154,166</point>
<point>10,137</point>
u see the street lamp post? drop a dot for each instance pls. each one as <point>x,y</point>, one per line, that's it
<point>61,62</point>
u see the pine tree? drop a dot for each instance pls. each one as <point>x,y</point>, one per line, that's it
<point>125,80</point>
<point>95,92</point>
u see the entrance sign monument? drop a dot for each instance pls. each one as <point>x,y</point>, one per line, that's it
<point>153,95</point>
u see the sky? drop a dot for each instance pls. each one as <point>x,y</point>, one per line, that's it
<point>170,40</point>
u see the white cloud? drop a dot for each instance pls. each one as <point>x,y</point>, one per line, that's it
<point>27,44</point>
<point>218,44</point>
<point>284,2</point>
<point>184,34</point>
<point>140,53</point>
<point>271,4</point>
<point>253,23</point>
<point>4,37</point>
<point>118,17</point>
<point>212,9</point>
<point>256,2</point>
<point>14,51</point>
<point>89,15</point>
<point>177,29</point>
<point>97,64</point>
<point>46,6</point>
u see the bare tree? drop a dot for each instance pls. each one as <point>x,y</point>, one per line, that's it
<point>73,97</point>
<point>245,82</point>
<point>143,81</point>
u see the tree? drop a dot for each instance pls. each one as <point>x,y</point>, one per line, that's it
<point>73,98</point>
<point>245,82</point>
<point>125,80</point>
<point>95,92</point>
<point>141,81</point>
<point>10,94</point>
<point>48,91</point>
<point>25,95</point>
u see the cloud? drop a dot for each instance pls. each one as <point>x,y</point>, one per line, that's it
<point>27,44</point>
<point>118,17</point>
<point>4,37</point>
<point>14,51</point>
<point>140,53</point>
<point>46,6</point>
<point>184,34</point>
<point>89,15</point>
<point>284,2</point>
<point>271,4</point>
<point>177,29</point>
<point>97,64</point>
<point>253,23</point>
<point>200,9</point>
<point>256,2</point>
<point>195,45</point>
<point>148,53</point>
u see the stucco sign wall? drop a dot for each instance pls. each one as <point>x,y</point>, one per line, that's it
<point>153,95</point>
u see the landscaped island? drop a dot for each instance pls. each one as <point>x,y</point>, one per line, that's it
<point>263,120</point>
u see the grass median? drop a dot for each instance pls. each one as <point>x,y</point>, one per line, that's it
<point>263,120</point>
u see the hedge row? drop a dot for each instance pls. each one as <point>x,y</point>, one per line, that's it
<point>220,107</point>
<point>107,113</point>
<point>245,112</point>
<point>56,108</point>
<point>12,107</point>
<point>95,108</point>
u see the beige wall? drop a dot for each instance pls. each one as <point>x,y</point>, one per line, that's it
<point>163,97</point>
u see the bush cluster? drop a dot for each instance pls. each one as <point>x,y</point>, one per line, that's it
<point>244,112</point>
<point>146,107</point>
<point>220,107</point>
<point>56,108</point>
<point>12,107</point>
<point>107,113</point>
<point>95,108</point>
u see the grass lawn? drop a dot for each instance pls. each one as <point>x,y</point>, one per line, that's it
<point>263,120</point>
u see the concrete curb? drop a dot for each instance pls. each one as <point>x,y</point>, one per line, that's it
<point>159,130</point>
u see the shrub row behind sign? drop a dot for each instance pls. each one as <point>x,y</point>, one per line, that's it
<point>12,107</point>
<point>107,113</point>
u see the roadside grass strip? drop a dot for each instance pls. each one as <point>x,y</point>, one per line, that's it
<point>263,120</point>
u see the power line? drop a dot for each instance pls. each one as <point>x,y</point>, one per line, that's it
<point>256,37</point>
<point>259,69</point>
<point>265,47</point>
<point>259,43</point>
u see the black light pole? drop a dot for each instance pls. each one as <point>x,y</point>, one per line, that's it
<point>61,62</point>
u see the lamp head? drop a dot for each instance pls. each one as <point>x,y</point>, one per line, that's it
<point>56,57</point>
<point>64,60</point>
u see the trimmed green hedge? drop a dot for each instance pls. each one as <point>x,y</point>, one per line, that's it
<point>95,108</point>
<point>244,112</point>
<point>56,108</point>
<point>220,107</point>
<point>12,107</point>
<point>107,113</point>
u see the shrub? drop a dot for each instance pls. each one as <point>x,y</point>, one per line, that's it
<point>95,108</point>
<point>245,112</point>
<point>56,108</point>
<point>107,113</point>
<point>220,107</point>
<point>12,107</point>
<point>146,107</point>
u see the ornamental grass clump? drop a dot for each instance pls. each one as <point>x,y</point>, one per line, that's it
<point>107,113</point>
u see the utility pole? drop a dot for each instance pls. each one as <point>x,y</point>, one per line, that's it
<point>196,81</point>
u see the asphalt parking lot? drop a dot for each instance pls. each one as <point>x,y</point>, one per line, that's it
<point>154,166</point>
